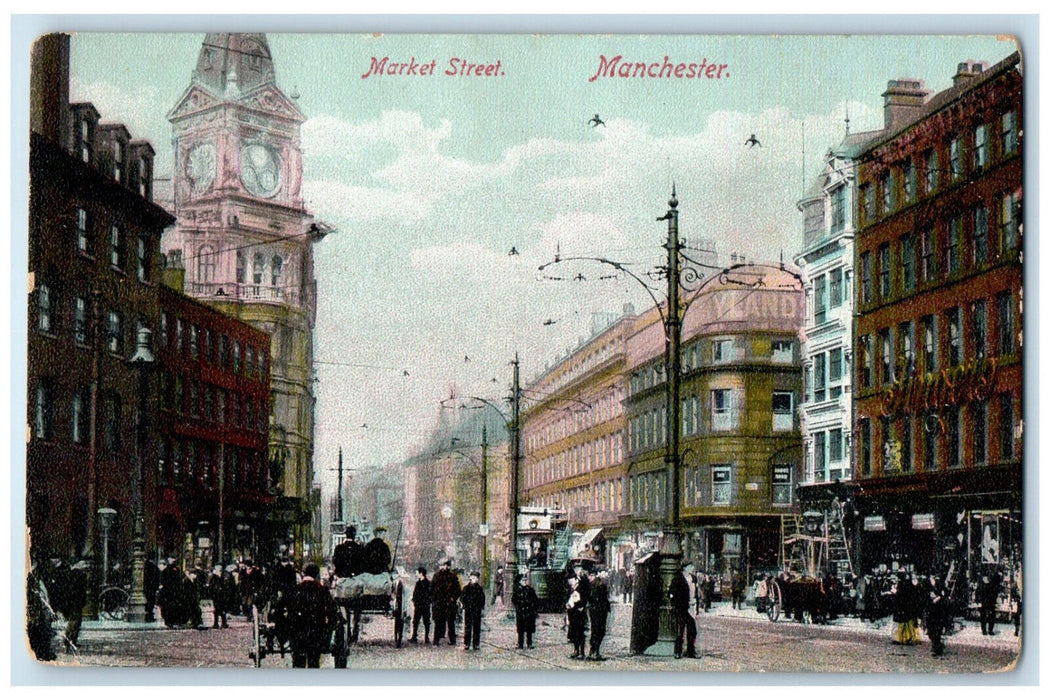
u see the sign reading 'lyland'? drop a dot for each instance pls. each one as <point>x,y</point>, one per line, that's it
<point>973,381</point>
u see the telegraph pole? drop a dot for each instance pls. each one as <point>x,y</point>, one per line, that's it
<point>515,461</point>
<point>484,501</point>
<point>339,493</point>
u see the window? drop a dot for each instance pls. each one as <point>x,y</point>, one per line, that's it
<point>907,340</point>
<point>242,265</point>
<point>979,414</point>
<point>143,258</point>
<point>867,202</point>
<point>275,272</point>
<point>1006,426</point>
<point>884,271</point>
<point>980,329</point>
<point>905,442</point>
<point>865,446</point>
<point>929,343</point>
<point>205,265</point>
<point>865,277</point>
<point>118,161</point>
<point>951,253</point>
<point>929,256</point>
<point>838,209</point>
<point>820,302</point>
<point>908,262</point>
<point>886,184</point>
<point>1005,304</point>
<point>113,415</point>
<point>955,158</point>
<point>864,368</point>
<point>980,234</point>
<point>885,356</point>
<point>980,147</point>
<point>722,350</point>
<point>43,308</point>
<point>257,272</point>
<point>85,140</point>
<point>116,247</point>
<point>835,451</point>
<point>929,162</point>
<point>1009,133</point>
<point>721,484</point>
<point>929,439</point>
<point>115,332</point>
<point>783,410</point>
<point>194,341</point>
<point>80,321</point>
<point>83,232</point>
<point>1010,219</point>
<point>834,373</point>
<point>819,376</point>
<point>80,415</point>
<point>955,341</point>
<point>909,182</point>
<point>723,410</point>
<point>249,361</point>
<point>820,456</point>
<point>781,495</point>
<point>783,351</point>
<point>835,288</point>
<point>951,421</point>
<point>44,409</point>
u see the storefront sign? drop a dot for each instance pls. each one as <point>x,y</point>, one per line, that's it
<point>973,381</point>
<point>874,523</point>
<point>922,521</point>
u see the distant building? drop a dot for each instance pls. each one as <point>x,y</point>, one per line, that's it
<point>938,333</point>
<point>246,239</point>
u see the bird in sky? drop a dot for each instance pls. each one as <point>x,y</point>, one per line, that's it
<point>513,251</point>
<point>549,322</point>
<point>404,373</point>
<point>752,142</point>
<point>595,121</point>
<point>364,425</point>
<point>466,358</point>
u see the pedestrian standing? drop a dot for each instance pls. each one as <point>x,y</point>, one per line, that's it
<point>526,608</point>
<point>421,600</point>
<point>222,591</point>
<point>497,587</point>
<point>598,607</point>
<point>737,588</point>
<point>576,611</point>
<point>762,594</point>
<point>628,586</point>
<point>1015,603</point>
<point>75,598</point>
<point>446,591</point>
<point>938,617</point>
<point>168,597</point>
<point>38,616</point>
<point>150,582</point>
<point>684,624</point>
<point>473,605</point>
<point>709,591</point>
<point>906,611</point>
<point>312,617</point>
<point>191,602</point>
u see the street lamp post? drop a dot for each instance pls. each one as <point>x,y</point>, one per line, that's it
<point>142,360</point>
<point>106,516</point>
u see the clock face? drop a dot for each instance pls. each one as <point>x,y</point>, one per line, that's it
<point>260,169</point>
<point>200,168</point>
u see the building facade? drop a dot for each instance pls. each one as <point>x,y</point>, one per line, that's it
<point>572,437</point>
<point>94,275</point>
<point>244,237</point>
<point>938,336</point>
<point>740,440</point>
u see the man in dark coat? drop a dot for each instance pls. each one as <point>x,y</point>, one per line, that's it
<point>446,593</point>
<point>598,607</point>
<point>576,611</point>
<point>74,598</point>
<point>191,602</point>
<point>628,586</point>
<point>222,593</point>
<point>737,586</point>
<point>473,605</point>
<point>312,616</point>
<point>284,578</point>
<point>526,608</point>
<point>987,598</point>
<point>150,582</point>
<point>422,597</point>
<point>684,624</point>
<point>38,615</point>
<point>497,587</point>
<point>169,597</point>
<point>938,617</point>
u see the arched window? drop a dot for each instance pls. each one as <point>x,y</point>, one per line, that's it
<point>205,265</point>
<point>275,272</point>
<point>257,271</point>
<point>242,265</point>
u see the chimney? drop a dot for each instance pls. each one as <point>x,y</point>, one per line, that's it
<point>904,98</point>
<point>968,70</point>
<point>49,88</point>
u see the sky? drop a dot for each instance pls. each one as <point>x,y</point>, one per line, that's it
<point>429,181</point>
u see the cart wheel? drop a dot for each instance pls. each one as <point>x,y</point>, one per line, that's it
<point>340,653</point>
<point>355,632</point>
<point>775,603</point>
<point>257,643</point>
<point>399,614</point>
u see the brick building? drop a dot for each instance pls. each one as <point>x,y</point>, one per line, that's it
<point>938,342</point>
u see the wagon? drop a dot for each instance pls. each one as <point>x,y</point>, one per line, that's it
<point>374,594</point>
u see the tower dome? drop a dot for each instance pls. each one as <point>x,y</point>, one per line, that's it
<point>238,62</point>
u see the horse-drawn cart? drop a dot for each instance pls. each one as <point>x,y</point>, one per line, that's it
<point>372,594</point>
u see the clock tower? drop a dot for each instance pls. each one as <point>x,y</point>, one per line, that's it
<point>245,242</point>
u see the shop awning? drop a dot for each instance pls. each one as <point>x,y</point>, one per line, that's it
<point>587,546</point>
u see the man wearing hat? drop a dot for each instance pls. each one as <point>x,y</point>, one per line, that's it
<point>446,591</point>
<point>598,606</point>
<point>312,616</point>
<point>421,600</point>
<point>526,607</point>
<point>576,612</point>
<point>684,624</point>
<point>473,605</point>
